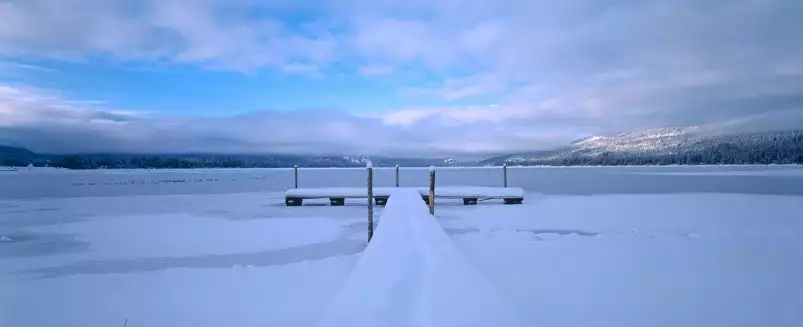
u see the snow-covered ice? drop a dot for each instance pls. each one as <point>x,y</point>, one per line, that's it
<point>686,253</point>
<point>641,260</point>
<point>173,260</point>
<point>771,173</point>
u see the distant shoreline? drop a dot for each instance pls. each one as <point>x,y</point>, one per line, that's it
<point>15,169</point>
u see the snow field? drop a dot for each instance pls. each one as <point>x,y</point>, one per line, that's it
<point>643,260</point>
<point>245,259</point>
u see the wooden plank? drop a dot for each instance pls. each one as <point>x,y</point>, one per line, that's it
<point>293,201</point>
<point>381,200</point>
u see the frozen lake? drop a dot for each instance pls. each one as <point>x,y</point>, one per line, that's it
<point>779,180</point>
<point>636,246</point>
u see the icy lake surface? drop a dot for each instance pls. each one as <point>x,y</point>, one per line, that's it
<point>618,246</point>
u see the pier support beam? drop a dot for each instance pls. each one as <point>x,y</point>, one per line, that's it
<point>295,175</point>
<point>504,174</point>
<point>431,201</point>
<point>370,168</point>
<point>513,200</point>
<point>397,175</point>
<point>381,200</point>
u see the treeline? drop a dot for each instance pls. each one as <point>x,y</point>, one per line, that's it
<point>16,157</point>
<point>189,161</point>
<point>20,157</point>
<point>760,148</point>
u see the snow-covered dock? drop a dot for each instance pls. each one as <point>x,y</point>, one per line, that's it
<point>412,274</point>
<point>469,194</point>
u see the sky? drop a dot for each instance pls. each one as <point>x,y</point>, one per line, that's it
<point>423,78</point>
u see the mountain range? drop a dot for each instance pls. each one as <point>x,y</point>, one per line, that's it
<point>687,145</point>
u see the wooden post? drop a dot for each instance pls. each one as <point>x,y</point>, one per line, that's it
<point>295,174</point>
<point>432,190</point>
<point>370,201</point>
<point>397,175</point>
<point>504,170</point>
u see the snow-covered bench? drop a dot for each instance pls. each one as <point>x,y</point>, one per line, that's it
<point>469,194</point>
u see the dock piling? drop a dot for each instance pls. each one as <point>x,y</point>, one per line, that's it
<point>432,190</point>
<point>504,173</point>
<point>370,201</point>
<point>295,174</point>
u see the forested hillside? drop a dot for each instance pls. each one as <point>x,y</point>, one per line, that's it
<point>669,146</point>
<point>20,157</point>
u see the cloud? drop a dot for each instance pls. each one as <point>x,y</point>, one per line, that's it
<point>456,115</point>
<point>783,120</point>
<point>375,70</point>
<point>13,69</point>
<point>48,122</point>
<point>217,34</point>
<point>559,69</point>
<point>517,40</point>
<point>301,69</point>
<point>629,65</point>
<point>455,88</point>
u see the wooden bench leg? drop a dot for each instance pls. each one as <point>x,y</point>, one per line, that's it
<point>337,201</point>
<point>381,200</point>
<point>292,202</point>
<point>469,201</point>
<point>513,200</point>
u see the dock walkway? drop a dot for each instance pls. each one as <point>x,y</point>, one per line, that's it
<point>412,274</point>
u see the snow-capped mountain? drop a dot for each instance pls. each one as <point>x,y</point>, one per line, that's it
<point>648,141</point>
<point>360,161</point>
<point>686,145</point>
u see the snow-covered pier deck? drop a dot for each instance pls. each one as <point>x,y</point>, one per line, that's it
<point>412,274</point>
<point>469,194</point>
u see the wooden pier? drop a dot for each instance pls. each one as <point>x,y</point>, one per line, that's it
<point>469,194</point>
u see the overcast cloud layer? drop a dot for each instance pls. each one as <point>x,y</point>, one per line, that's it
<point>560,69</point>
